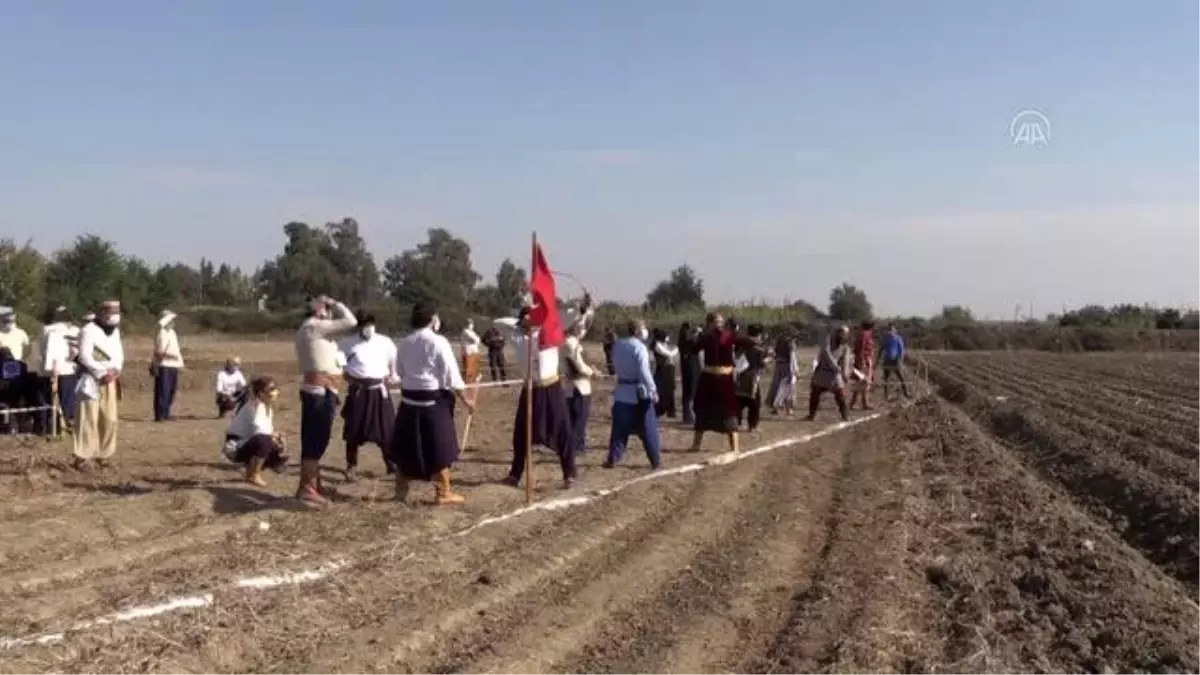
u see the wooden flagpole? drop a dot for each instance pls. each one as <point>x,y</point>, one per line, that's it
<point>474,403</point>
<point>531,346</point>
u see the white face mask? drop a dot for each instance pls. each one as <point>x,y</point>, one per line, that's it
<point>368,332</point>
<point>113,320</point>
<point>643,334</point>
<point>436,325</point>
<point>6,327</point>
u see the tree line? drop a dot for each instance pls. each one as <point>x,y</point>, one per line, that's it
<point>335,259</point>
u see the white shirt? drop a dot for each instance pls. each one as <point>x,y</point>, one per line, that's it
<point>229,383</point>
<point>370,359</point>
<point>427,363</point>
<point>56,349</point>
<point>166,342</point>
<point>470,342</point>
<point>16,340</point>
<point>252,419</point>
<point>574,349</point>
<point>663,349</point>
<point>93,338</point>
<point>547,359</point>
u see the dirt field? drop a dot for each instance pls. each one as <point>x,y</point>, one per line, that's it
<point>1040,515</point>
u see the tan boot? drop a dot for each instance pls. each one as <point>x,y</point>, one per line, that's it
<point>254,472</point>
<point>697,438</point>
<point>310,475</point>
<point>734,444</point>
<point>444,496</point>
<point>402,485</point>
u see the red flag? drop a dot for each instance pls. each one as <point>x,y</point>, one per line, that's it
<point>544,313</point>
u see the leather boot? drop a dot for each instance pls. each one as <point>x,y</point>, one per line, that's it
<point>402,484</point>
<point>697,438</point>
<point>444,496</point>
<point>734,444</point>
<point>310,476</point>
<point>254,469</point>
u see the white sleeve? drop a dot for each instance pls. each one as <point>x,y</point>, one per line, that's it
<point>451,376</point>
<point>87,350</point>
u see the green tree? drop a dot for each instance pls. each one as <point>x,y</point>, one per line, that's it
<point>438,271</point>
<point>682,289</point>
<point>22,277</point>
<point>86,274</point>
<point>848,303</point>
<point>357,280</point>
<point>956,315</point>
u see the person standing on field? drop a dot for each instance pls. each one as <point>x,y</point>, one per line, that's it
<point>689,369</point>
<point>369,414</point>
<point>579,376</point>
<point>831,372</point>
<point>101,359</point>
<point>495,348</point>
<point>317,354</point>
<point>634,398</point>
<point>891,357</point>
<point>471,348</point>
<point>166,366</point>
<point>60,349</point>
<point>864,364</point>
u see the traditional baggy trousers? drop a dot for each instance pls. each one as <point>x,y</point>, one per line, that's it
<point>317,412</point>
<point>638,419</point>
<point>166,384</point>
<point>96,431</point>
<point>580,409</point>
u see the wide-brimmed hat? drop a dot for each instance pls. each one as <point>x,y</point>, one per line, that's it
<point>166,317</point>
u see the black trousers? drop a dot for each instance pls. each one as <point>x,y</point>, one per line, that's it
<point>814,401</point>
<point>317,412</point>
<point>750,409</point>
<point>894,368</point>
<point>496,365</point>
<point>689,376</point>
<point>166,384</point>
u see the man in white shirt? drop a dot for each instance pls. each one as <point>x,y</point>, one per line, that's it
<point>369,413</point>
<point>101,358</point>
<point>231,383</point>
<point>18,388</point>
<point>317,355</point>
<point>425,442</point>
<point>166,366</point>
<point>12,337</point>
<point>580,374</point>
<point>472,348</point>
<point>60,348</point>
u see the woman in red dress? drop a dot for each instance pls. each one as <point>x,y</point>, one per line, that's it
<point>716,402</point>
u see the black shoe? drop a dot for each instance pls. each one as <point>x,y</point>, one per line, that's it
<point>607,465</point>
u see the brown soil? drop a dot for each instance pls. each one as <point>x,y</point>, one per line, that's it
<point>963,536</point>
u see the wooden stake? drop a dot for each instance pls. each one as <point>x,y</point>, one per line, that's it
<point>471,415</point>
<point>54,410</point>
<point>531,345</point>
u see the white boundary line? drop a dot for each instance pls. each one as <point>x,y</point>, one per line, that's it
<point>263,582</point>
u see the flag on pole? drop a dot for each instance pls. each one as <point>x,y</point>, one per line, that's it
<point>544,310</point>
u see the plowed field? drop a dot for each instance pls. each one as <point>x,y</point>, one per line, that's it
<point>1039,515</point>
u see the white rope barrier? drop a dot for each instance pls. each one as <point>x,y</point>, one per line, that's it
<point>13,411</point>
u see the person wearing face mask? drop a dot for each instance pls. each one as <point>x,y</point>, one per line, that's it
<point>13,337</point>
<point>472,348</point>
<point>369,413</point>
<point>634,398</point>
<point>101,358</point>
<point>317,354</point>
<point>832,371</point>
<point>59,348</point>
<point>251,439</point>
<point>425,443</point>
<point>551,414</point>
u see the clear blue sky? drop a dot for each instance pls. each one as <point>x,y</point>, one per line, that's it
<point>779,147</point>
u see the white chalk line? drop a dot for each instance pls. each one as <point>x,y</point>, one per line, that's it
<point>264,582</point>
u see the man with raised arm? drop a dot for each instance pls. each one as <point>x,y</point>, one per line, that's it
<point>317,355</point>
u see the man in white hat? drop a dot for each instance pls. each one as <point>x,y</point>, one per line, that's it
<point>101,358</point>
<point>60,370</point>
<point>166,366</point>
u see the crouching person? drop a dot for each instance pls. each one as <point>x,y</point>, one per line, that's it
<point>251,439</point>
<point>231,385</point>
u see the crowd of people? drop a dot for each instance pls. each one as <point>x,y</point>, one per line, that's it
<point>348,367</point>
